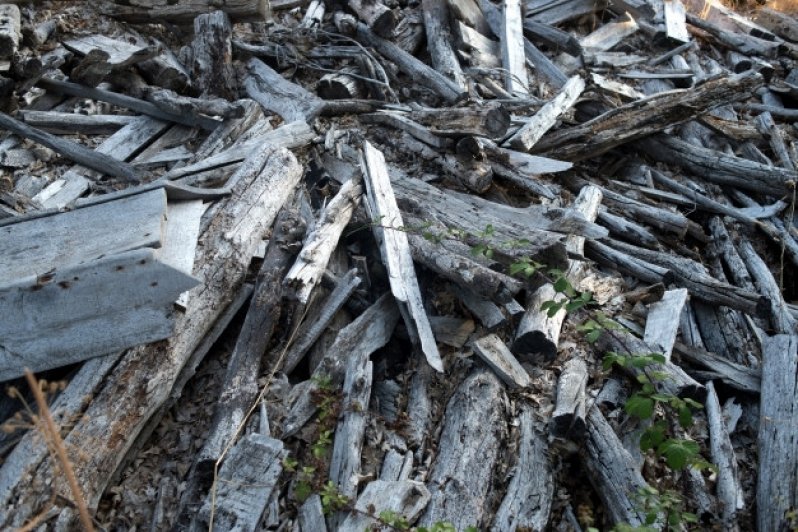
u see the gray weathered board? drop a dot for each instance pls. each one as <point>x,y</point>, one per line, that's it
<point>91,281</point>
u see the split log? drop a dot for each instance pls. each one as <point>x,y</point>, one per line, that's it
<point>240,387</point>
<point>165,70</point>
<point>468,11</point>
<point>539,333</point>
<point>607,36</point>
<point>489,314</point>
<point>626,229</point>
<point>351,428</point>
<point>313,15</point>
<point>528,499</point>
<point>318,320</point>
<point>439,40</point>
<point>568,418</point>
<point>92,69</point>
<point>468,448</point>
<point>369,332</point>
<point>641,118</point>
<point>395,251</point>
<point>400,121</point>
<point>729,490</point>
<point>10,28</point>
<point>211,54</point>
<point>319,245</point>
<point>404,498</point>
<point>718,167</point>
<point>246,481</point>
<point>416,69</point>
<point>479,50</point>
<point>662,322</point>
<point>277,94</point>
<point>512,36</point>
<point>537,126</point>
<point>144,377</point>
<point>120,54</point>
<point>627,264</point>
<point>135,104</point>
<point>172,102</point>
<point>780,316</point>
<point>554,38</point>
<point>676,381</point>
<point>156,11</point>
<point>311,515</point>
<point>555,13</point>
<point>612,470</point>
<point>71,150</point>
<point>498,357</point>
<point>777,447</point>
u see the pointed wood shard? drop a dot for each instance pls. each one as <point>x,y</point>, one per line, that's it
<point>395,250</point>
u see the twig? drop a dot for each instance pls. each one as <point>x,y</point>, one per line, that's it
<point>51,433</point>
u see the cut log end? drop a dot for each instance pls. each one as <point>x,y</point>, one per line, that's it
<point>534,347</point>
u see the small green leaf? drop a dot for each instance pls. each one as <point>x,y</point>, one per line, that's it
<point>685,417</point>
<point>593,336</point>
<point>561,284</point>
<point>639,406</point>
<point>678,453</point>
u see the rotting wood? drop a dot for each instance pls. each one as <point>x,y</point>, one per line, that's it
<point>119,412</point>
<point>395,251</point>
<point>516,80</point>
<point>404,498</point>
<point>529,497</point>
<point>10,28</point>
<point>379,19</point>
<point>277,94</point>
<point>469,445</point>
<point>662,322</point>
<point>320,243</point>
<point>439,37</point>
<point>498,357</point>
<point>729,490</point>
<point>149,11</point>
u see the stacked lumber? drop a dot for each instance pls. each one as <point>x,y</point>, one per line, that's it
<point>316,266</point>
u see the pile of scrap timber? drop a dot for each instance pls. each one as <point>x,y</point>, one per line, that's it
<point>303,265</point>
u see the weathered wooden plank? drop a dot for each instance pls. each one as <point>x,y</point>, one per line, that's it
<point>246,480</point>
<point>73,237</point>
<point>183,12</point>
<point>439,40</point>
<point>512,38</point>
<point>121,54</point>
<point>396,251</point>
<point>72,123</point>
<point>662,323</point>
<point>777,446</point>
<point>675,21</point>
<point>568,418</point>
<point>607,36</point>
<point>729,490</point>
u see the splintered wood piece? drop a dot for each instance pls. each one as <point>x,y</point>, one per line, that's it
<point>439,37</point>
<point>675,21</point>
<point>613,472</point>
<point>527,502</point>
<point>537,126</point>
<point>469,13</point>
<point>395,251</point>
<point>319,245</point>
<point>10,27</point>
<point>351,428</point>
<point>311,514</point>
<point>512,39</point>
<point>729,490</point>
<point>369,332</point>
<point>481,50</point>
<point>401,121</point>
<point>246,480</point>
<point>318,320</point>
<point>608,36</point>
<point>641,118</point>
<point>468,448</point>
<point>145,376</point>
<point>486,120</point>
<point>404,498</point>
<point>780,316</point>
<point>488,313</point>
<point>280,96</point>
<point>568,418</point>
<point>121,54</point>
<point>777,447</point>
<point>495,354</point>
<point>662,323</point>
<point>72,123</point>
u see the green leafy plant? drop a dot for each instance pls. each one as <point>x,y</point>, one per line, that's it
<point>332,500</point>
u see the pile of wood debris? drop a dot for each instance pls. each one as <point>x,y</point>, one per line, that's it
<point>298,265</point>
